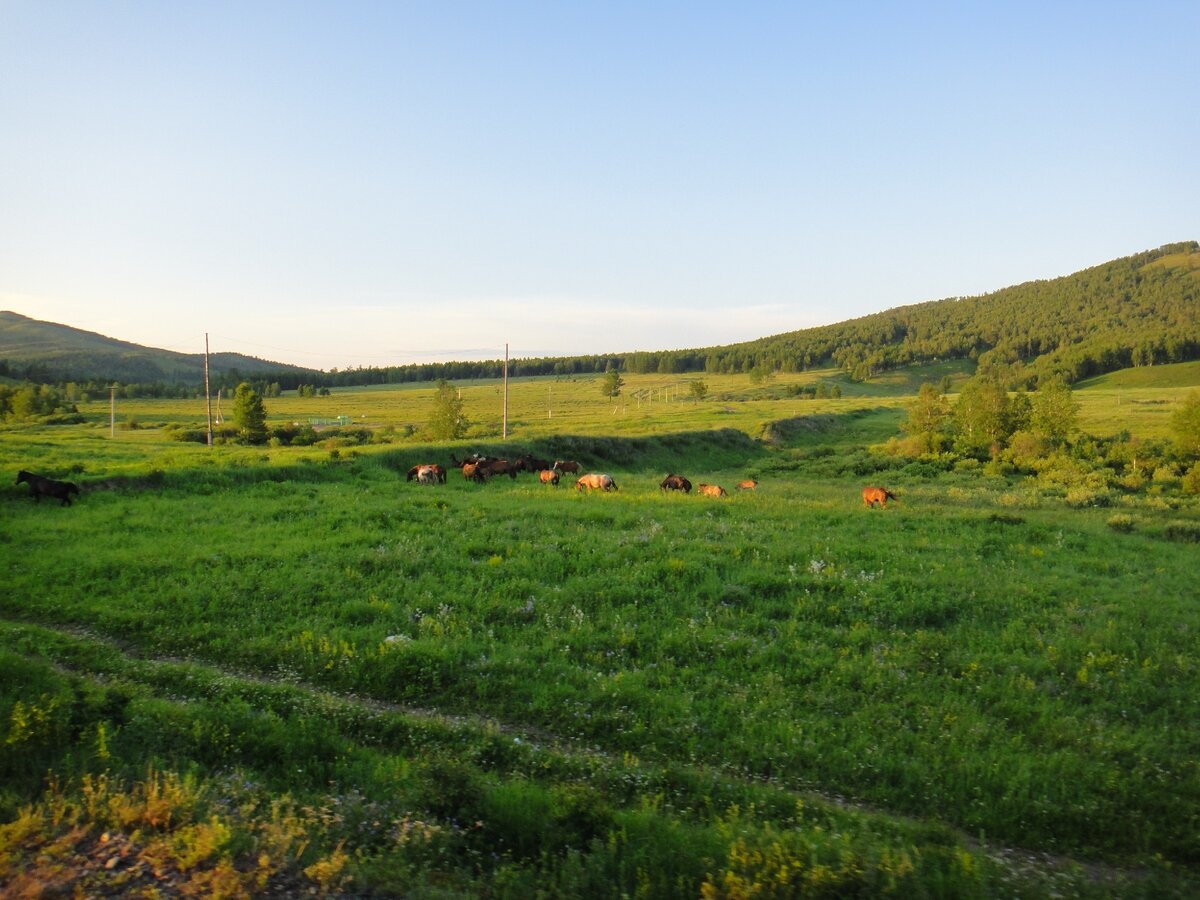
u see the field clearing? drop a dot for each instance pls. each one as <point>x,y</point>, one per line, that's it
<point>969,693</point>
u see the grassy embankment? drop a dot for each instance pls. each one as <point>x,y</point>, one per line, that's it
<point>269,667</point>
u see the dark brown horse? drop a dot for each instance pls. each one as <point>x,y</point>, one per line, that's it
<point>529,463</point>
<point>498,467</point>
<point>40,486</point>
<point>566,466</point>
<point>676,483</point>
<point>873,495</point>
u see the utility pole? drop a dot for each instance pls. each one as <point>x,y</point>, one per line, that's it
<point>112,411</point>
<point>207,395</point>
<point>504,434</point>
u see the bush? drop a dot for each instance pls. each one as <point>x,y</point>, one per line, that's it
<point>1121,522</point>
<point>1083,496</point>
<point>1191,480</point>
<point>1179,530</point>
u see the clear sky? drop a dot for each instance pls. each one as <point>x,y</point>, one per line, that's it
<point>373,183</point>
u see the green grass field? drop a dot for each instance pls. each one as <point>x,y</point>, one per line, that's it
<point>243,670</point>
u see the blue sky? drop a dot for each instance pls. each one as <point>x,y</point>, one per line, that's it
<point>361,183</point>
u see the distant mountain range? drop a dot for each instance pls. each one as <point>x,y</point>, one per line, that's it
<point>1139,310</point>
<point>47,352</point>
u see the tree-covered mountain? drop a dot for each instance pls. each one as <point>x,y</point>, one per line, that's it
<point>48,353</point>
<point>1139,310</point>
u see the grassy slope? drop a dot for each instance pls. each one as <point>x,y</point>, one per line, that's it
<point>972,656</point>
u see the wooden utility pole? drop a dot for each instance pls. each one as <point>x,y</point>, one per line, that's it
<point>504,434</point>
<point>112,410</point>
<point>207,395</point>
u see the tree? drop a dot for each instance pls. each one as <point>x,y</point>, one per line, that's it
<point>249,415</point>
<point>1055,413</point>
<point>698,389</point>
<point>612,383</point>
<point>983,416</point>
<point>447,421</point>
<point>1185,423</point>
<point>926,416</point>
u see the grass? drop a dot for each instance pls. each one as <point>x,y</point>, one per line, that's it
<point>504,688</point>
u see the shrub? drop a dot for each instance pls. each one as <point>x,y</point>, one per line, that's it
<point>1191,480</point>
<point>1083,496</point>
<point>1121,522</point>
<point>1180,530</point>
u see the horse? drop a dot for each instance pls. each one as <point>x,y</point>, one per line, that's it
<point>873,495</point>
<point>711,490</point>
<point>596,482</point>
<point>471,472</point>
<point>498,467</point>
<point>427,475</point>
<point>530,463</point>
<point>566,466</point>
<point>748,485</point>
<point>676,483</point>
<point>548,476</point>
<point>39,486</point>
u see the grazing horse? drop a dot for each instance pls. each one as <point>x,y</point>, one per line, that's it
<point>711,490</point>
<point>548,476</point>
<point>427,475</point>
<point>39,486</point>
<point>498,467</point>
<point>439,472</point>
<point>596,482</point>
<point>530,463</point>
<point>471,472</point>
<point>748,485</point>
<point>873,495</point>
<point>566,466</point>
<point>676,483</point>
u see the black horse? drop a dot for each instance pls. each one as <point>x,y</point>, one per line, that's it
<point>676,483</point>
<point>39,486</point>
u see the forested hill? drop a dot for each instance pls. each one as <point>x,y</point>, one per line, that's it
<point>47,352</point>
<point>1139,310</point>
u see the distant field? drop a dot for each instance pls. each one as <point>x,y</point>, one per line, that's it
<point>290,670</point>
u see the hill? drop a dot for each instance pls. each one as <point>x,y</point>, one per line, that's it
<point>47,352</point>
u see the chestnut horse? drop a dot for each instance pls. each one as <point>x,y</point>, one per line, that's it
<point>566,466</point>
<point>548,476</point>
<point>748,485</point>
<point>596,482</point>
<point>676,483</point>
<point>439,472</point>
<point>711,490</point>
<point>873,495</point>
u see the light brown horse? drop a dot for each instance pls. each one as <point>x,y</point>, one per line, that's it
<point>439,472</point>
<point>873,495</point>
<point>596,482</point>
<point>711,490</point>
<point>548,476</point>
<point>748,485</point>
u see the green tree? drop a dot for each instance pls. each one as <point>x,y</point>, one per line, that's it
<point>982,416</point>
<point>1054,414</point>
<point>249,415</point>
<point>1185,423</point>
<point>698,390</point>
<point>447,421</point>
<point>612,383</point>
<point>927,416</point>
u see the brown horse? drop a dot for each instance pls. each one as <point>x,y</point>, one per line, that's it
<point>498,467</point>
<point>676,483</point>
<point>711,490</point>
<point>873,495</point>
<point>596,482</point>
<point>40,486</point>
<point>548,476</point>
<point>566,466</point>
<point>748,485</point>
<point>471,472</point>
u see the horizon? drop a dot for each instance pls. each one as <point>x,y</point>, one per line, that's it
<point>392,185</point>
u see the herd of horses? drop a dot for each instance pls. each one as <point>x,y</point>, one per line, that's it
<point>479,468</point>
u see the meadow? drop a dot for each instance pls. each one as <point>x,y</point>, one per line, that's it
<point>237,670</point>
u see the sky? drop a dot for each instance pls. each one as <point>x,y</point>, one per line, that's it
<point>362,183</point>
